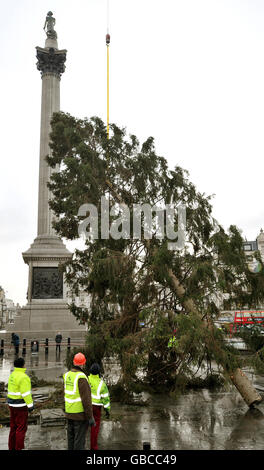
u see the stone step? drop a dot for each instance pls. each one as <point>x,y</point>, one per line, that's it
<point>52,417</point>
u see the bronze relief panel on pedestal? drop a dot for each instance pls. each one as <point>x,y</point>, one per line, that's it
<point>47,283</point>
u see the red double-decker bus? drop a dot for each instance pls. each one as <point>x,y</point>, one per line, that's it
<point>247,317</point>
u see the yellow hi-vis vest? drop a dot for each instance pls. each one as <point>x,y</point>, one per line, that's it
<point>73,401</point>
<point>100,393</point>
<point>172,342</point>
<point>19,389</point>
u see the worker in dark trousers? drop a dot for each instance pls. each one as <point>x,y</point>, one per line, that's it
<point>78,404</point>
<point>20,402</point>
<point>100,399</point>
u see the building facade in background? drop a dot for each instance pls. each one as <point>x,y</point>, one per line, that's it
<point>8,310</point>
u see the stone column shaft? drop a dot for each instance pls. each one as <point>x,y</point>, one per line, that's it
<point>51,65</point>
<point>50,103</point>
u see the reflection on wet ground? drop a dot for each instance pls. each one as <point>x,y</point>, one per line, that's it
<point>199,420</point>
<point>204,420</point>
<point>48,367</point>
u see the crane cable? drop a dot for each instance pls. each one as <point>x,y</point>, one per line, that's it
<point>107,48</point>
<point>107,38</point>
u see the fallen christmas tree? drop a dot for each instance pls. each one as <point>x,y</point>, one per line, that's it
<point>139,280</point>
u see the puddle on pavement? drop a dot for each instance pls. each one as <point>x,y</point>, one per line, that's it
<point>47,367</point>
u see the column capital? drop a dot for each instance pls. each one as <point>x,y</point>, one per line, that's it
<point>51,60</point>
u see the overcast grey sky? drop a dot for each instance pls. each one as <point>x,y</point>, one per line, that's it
<point>188,72</point>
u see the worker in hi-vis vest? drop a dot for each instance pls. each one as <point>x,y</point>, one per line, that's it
<point>20,402</point>
<point>78,404</point>
<point>100,399</point>
<point>173,340</point>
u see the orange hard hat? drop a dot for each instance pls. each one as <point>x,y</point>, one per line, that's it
<point>79,359</point>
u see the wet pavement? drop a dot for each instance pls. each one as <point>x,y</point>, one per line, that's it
<point>195,420</point>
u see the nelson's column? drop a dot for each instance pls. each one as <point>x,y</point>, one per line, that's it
<point>46,311</point>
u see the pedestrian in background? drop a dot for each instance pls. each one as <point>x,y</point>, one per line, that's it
<point>78,404</point>
<point>15,342</point>
<point>100,399</point>
<point>20,402</point>
<point>58,340</point>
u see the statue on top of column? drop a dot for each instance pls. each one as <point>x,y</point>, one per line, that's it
<point>49,26</point>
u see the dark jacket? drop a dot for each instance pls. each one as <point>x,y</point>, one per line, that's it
<point>58,339</point>
<point>85,393</point>
<point>15,340</point>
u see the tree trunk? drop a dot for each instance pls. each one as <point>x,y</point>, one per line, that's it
<point>245,388</point>
<point>239,379</point>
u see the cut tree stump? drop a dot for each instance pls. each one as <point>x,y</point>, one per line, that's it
<point>245,388</point>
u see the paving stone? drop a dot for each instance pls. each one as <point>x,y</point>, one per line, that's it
<point>36,439</point>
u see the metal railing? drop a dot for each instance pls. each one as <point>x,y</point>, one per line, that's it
<point>36,345</point>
